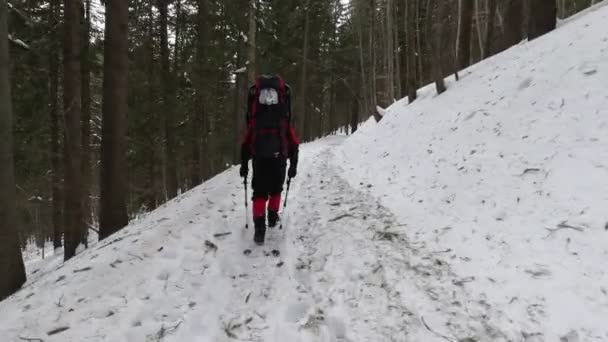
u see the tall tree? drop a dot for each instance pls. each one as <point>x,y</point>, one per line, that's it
<point>251,42</point>
<point>303,119</point>
<point>72,135</point>
<point>514,22</point>
<point>438,14</point>
<point>55,150</point>
<point>167,97</point>
<point>390,51</point>
<point>113,208</point>
<point>410,19</point>
<point>543,17</point>
<point>464,41</point>
<point>492,8</point>
<point>199,124</point>
<point>11,261</point>
<point>86,117</point>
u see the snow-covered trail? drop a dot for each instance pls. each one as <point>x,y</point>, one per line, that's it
<point>341,274</point>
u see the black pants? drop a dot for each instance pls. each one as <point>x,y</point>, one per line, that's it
<point>268,176</point>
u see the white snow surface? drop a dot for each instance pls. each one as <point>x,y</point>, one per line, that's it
<point>482,175</point>
<point>476,215</point>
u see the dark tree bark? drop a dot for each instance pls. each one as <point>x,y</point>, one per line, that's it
<point>303,119</point>
<point>170,153</point>
<point>543,17</point>
<point>11,261</point>
<point>514,22</point>
<point>372,58</point>
<point>113,187</point>
<point>251,42</point>
<point>154,166</point>
<point>390,52</point>
<point>86,120</point>
<point>239,100</point>
<point>410,19</point>
<point>55,150</point>
<point>199,126</point>
<point>464,42</point>
<point>488,46</point>
<point>72,136</point>
<point>438,17</point>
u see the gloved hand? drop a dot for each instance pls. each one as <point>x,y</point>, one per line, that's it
<point>244,170</point>
<point>292,172</point>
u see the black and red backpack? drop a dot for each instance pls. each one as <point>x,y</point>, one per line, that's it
<point>268,117</point>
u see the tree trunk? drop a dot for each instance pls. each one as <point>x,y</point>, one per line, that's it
<point>11,261</point>
<point>390,52</point>
<point>86,120</point>
<point>364,82</point>
<point>438,18</point>
<point>199,141</point>
<point>251,50</point>
<point>303,120</point>
<point>155,190</point>
<point>464,42</point>
<point>397,55</point>
<point>478,27</point>
<point>57,202</point>
<point>514,20</point>
<point>167,97</point>
<point>113,204</point>
<point>492,8</point>
<point>420,73</point>
<point>372,58</point>
<point>239,99</point>
<point>411,51</point>
<point>542,17</point>
<point>72,141</point>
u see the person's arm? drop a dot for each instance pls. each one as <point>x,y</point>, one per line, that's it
<point>294,151</point>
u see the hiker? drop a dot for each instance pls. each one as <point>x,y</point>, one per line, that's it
<point>269,141</point>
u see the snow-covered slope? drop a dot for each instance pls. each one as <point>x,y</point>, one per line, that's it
<point>504,178</point>
<point>477,215</point>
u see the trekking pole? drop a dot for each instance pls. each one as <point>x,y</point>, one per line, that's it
<point>286,193</point>
<point>285,202</point>
<point>246,204</point>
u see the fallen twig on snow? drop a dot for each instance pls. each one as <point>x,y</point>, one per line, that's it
<point>562,226</point>
<point>135,256</point>
<point>221,234</point>
<point>447,338</point>
<point>210,245</point>
<point>340,217</point>
<point>57,330</point>
<point>532,169</point>
<point>163,332</point>
<point>31,339</point>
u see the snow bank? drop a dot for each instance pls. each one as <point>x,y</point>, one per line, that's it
<point>505,176</point>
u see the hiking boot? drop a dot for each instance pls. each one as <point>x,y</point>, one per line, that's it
<point>273,218</point>
<point>260,229</point>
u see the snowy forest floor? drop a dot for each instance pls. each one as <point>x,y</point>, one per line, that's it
<point>476,215</point>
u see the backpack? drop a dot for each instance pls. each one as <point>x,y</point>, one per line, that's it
<point>268,117</point>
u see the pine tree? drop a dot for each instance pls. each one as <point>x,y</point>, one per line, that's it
<point>11,261</point>
<point>543,17</point>
<point>113,210</point>
<point>72,136</point>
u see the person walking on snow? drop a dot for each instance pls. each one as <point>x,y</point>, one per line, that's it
<point>269,141</point>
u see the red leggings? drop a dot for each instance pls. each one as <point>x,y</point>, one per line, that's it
<point>267,184</point>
